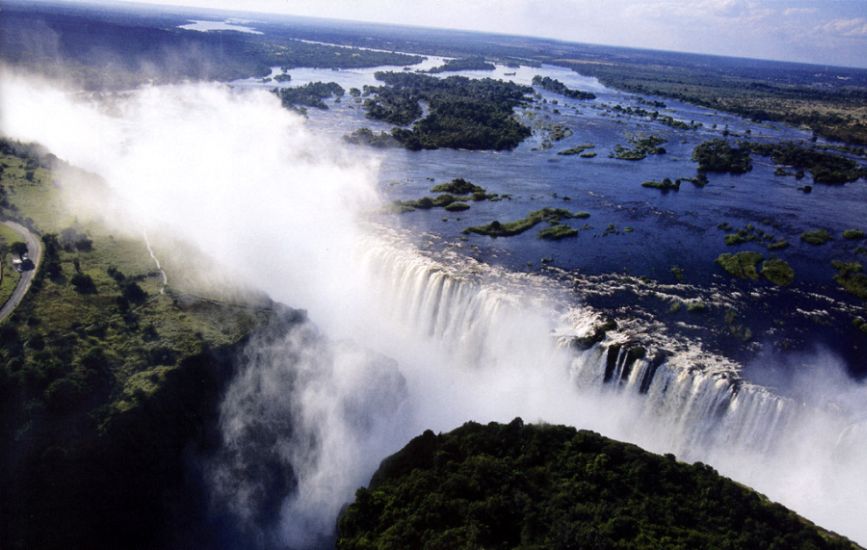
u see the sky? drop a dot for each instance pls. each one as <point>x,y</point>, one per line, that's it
<point>817,31</point>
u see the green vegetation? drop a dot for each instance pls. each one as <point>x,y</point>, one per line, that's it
<point>8,275</point>
<point>497,229</point>
<point>817,237</point>
<point>312,94</point>
<point>543,486</point>
<point>718,155</point>
<point>641,147</point>
<point>851,277</point>
<point>699,180</point>
<point>656,117</point>
<point>751,233</point>
<point>741,265</point>
<point>556,132</point>
<point>577,150</point>
<point>365,136</point>
<point>458,186</point>
<point>464,113</point>
<point>95,363</point>
<point>778,272</point>
<point>463,190</point>
<point>665,185</point>
<point>677,272</point>
<point>456,206</point>
<point>588,155</point>
<point>825,167</point>
<point>476,63</point>
<point>557,231</point>
<point>853,234</point>
<point>553,85</point>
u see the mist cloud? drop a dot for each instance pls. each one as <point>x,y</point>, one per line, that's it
<point>407,342</point>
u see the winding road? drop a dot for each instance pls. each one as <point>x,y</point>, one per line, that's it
<point>34,250</point>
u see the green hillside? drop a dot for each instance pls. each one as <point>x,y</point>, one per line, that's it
<point>541,486</point>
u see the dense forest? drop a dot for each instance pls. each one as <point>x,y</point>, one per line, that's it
<point>541,486</point>
<point>463,113</point>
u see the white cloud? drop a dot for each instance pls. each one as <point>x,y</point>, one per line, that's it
<point>799,11</point>
<point>854,27</point>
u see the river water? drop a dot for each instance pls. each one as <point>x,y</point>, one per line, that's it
<point>622,259</point>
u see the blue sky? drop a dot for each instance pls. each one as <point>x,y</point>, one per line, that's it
<point>818,31</point>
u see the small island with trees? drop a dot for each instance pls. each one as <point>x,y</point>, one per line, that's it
<point>554,85</point>
<point>463,113</point>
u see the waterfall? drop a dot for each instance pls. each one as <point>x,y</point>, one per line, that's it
<point>699,399</point>
<point>438,339</point>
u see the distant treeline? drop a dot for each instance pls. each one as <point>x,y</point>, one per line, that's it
<point>117,49</point>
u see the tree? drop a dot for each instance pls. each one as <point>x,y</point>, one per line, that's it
<point>19,249</point>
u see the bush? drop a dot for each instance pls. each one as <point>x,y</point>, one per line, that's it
<point>83,284</point>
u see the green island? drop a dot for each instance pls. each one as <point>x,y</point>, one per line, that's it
<point>554,85</point>
<point>311,94</point>
<point>546,486</point>
<point>577,150</point>
<point>665,185</point>
<point>741,264</point>
<point>853,235</point>
<point>717,155</point>
<point>464,113</point>
<point>366,136</point>
<point>95,363</point>
<point>641,147</point>
<point>474,63</point>
<point>816,237</point>
<point>654,116</point>
<point>557,231</point>
<point>751,233</point>
<point>778,272</point>
<point>851,277</point>
<point>453,196</point>
<point>825,167</point>
<point>509,229</point>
